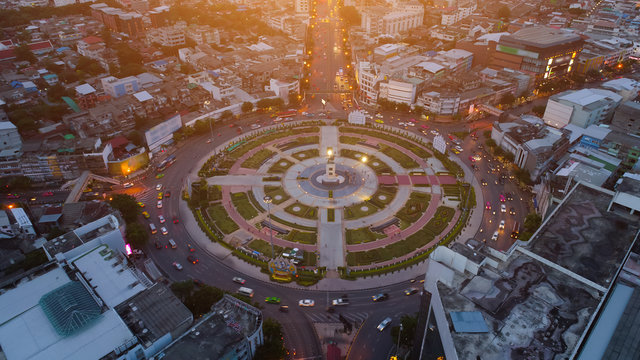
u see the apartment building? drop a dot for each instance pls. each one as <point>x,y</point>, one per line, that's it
<point>383,20</point>
<point>368,76</point>
<point>118,87</point>
<point>302,6</point>
<point>399,90</point>
<point>582,108</point>
<point>169,36</point>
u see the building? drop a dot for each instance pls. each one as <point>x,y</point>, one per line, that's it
<point>85,96</point>
<point>357,117</point>
<point>541,51</point>
<point>170,36</point>
<point>118,20</point>
<point>368,75</point>
<point>392,21</point>
<point>399,91</point>
<point>535,146</point>
<point>302,6</point>
<point>482,303</point>
<point>115,87</point>
<point>626,118</point>
<point>9,137</point>
<point>582,108</point>
<point>627,88</point>
<point>445,103</point>
<point>232,330</point>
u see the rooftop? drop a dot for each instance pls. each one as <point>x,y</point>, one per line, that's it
<point>585,97</point>
<point>543,36</point>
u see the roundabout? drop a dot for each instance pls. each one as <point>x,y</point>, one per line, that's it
<point>354,201</point>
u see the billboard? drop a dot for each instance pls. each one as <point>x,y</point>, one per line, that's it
<point>163,132</point>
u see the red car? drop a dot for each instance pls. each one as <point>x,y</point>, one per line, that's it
<point>48,193</point>
<point>175,220</point>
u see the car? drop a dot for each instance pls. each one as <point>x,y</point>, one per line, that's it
<point>167,194</point>
<point>410,291</point>
<point>191,248</point>
<point>424,126</point>
<point>161,219</point>
<point>33,199</point>
<point>484,182</point>
<point>434,132</point>
<point>159,176</point>
<point>239,280</point>
<point>47,193</point>
<point>160,195</point>
<point>127,185</point>
<point>272,300</point>
<point>13,196</point>
<point>232,125</point>
<point>177,265</point>
<point>494,237</point>
<point>175,220</point>
<point>503,208</point>
<point>379,121</point>
<point>472,159</point>
<point>488,205</point>
<point>455,151</point>
<point>339,302</point>
<point>157,244</point>
<point>255,126</point>
<point>501,226</point>
<point>146,215</point>
<point>383,325</point>
<point>306,303</point>
<point>512,211</point>
<point>164,231</point>
<point>284,308</point>
<point>410,124</point>
<point>477,157</point>
<point>401,123</point>
<point>502,198</point>
<point>158,187</point>
<point>459,148</point>
<point>509,196</point>
<point>380,297</point>
<point>192,259</point>
<point>159,204</point>
<point>141,204</point>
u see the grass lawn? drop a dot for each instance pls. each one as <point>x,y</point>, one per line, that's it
<point>357,236</point>
<point>451,190</point>
<point>241,202</point>
<point>274,191</point>
<point>257,159</point>
<point>264,247</point>
<point>410,145</point>
<point>351,140</point>
<point>304,211</point>
<point>221,219</point>
<point>384,195</point>
<point>414,207</point>
<point>379,166</point>
<point>278,167</point>
<point>302,237</point>
<point>301,141</point>
<point>401,158</point>
<point>263,138</point>
<point>306,154</point>
<point>359,210</point>
<point>331,215</point>
<point>214,193</point>
<point>276,219</point>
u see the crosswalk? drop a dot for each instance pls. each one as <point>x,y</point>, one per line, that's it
<point>354,318</point>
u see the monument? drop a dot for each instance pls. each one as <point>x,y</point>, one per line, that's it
<point>330,177</point>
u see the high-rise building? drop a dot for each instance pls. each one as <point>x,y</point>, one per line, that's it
<point>302,6</point>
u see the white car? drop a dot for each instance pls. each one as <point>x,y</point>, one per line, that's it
<point>159,205</point>
<point>503,208</point>
<point>177,266</point>
<point>164,231</point>
<point>459,148</point>
<point>339,302</point>
<point>161,219</point>
<point>306,303</point>
<point>401,124</point>
<point>383,325</point>
<point>159,187</point>
<point>410,124</point>
<point>494,237</point>
<point>127,185</point>
<point>434,132</point>
<point>255,126</point>
<point>501,226</point>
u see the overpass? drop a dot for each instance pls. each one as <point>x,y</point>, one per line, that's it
<point>80,184</point>
<point>490,109</point>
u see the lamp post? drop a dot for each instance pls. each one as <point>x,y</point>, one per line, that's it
<point>206,104</point>
<point>267,199</point>
<point>398,346</point>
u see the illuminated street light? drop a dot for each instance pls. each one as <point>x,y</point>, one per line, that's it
<point>329,152</point>
<point>364,159</point>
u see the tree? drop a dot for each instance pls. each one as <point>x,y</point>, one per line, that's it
<point>227,114</point>
<point>293,99</point>
<point>507,99</point>
<point>486,134</point>
<point>490,143</point>
<point>24,53</point>
<point>409,324</point>
<point>136,234</point>
<point>350,15</point>
<point>11,183</point>
<point>273,346</point>
<point>247,106</point>
<point>539,110</point>
<point>201,300</point>
<point>136,138</point>
<point>532,222</point>
<point>127,205</point>
<point>56,92</point>
<point>89,66</point>
<point>504,12</point>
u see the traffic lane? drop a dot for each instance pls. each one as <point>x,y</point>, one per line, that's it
<point>371,343</point>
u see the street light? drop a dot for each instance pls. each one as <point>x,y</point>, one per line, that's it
<point>398,346</point>
<point>267,199</point>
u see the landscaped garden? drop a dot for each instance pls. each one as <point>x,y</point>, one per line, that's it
<point>302,210</point>
<point>280,166</point>
<point>401,158</point>
<point>264,247</point>
<point>379,166</point>
<point>302,237</point>
<point>218,214</point>
<point>257,159</point>
<point>414,207</point>
<point>360,210</point>
<point>277,193</point>
<point>306,154</point>
<point>362,235</point>
<point>243,206</point>
<point>406,144</point>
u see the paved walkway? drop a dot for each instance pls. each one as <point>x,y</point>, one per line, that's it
<point>328,139</point>
<point>331,240</point>
<point>385,214</point>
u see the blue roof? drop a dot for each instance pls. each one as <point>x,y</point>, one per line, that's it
<point>50,76</point>
<point>213,73</point>
<point>160,62</point>
<point>468,322</point>
<point>64,48</point>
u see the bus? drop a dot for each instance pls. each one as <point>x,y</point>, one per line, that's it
<point>287,114</point>
<point>166,163</point>
<point>516,230</point>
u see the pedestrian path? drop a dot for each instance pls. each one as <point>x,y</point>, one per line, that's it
<point>354,318</point>
<point>328,139</point>
<point>331,240</point>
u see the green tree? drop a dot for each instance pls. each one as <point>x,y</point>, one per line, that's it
<point>24,53</point>
<point>89,66</point>
<point>350,15</point>
<point>409,323</point>
<point>136,234</point>
<point>532,222</point>
<point>182,289</point>
<point>273,346</point>
<point>127,205</point>
<point>293,99</point>
<point>247,106</point>
<point>490,143</point>
<point>56,92</point>
<point>227,114</point>
<point>23,120</point>
<point>486,134</point>
<point>11,183</point>
<point>201,300</point>
<point>504,12</point>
